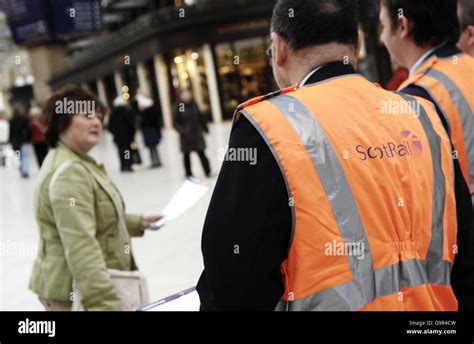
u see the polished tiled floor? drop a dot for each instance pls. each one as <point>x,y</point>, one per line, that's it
<point>170,258</point>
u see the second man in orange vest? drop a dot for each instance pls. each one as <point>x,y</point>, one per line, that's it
<point>421,36</point>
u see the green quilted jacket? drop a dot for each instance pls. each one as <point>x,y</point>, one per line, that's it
<point>83,231</point>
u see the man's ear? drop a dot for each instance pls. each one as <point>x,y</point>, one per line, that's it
<point>404,27</point>
<point>280,49</point>
<point>470,35</point>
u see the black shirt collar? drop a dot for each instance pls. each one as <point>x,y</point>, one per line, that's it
<point>444,51</point>
<point>330,70</point>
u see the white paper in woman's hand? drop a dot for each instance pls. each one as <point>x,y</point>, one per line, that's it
<point>188,195</point>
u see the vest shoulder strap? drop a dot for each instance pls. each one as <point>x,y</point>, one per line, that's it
<point>260,99</point>
<point>420,72</point>
<point>256,100</point>
<point>426,67</point>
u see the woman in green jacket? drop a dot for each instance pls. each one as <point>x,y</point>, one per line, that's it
<point>83,227</point>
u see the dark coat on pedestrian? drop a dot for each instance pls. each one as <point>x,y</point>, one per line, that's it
<point>191,125</point>
<point>151,126</point>
<point>122,125</point>
<point>19,131</point>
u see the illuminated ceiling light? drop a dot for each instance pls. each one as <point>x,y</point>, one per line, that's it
<point>178,60</point>
<point>126,96</point>
<point>125,89</point>
<point>195,56</point>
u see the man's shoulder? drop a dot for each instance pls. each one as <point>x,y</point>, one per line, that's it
<point>417,91</point>
<point>263,98</point>
<point>419,94</point>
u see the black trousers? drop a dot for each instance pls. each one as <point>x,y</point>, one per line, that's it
<point>41,150</point>
<point>154,156</point>
<point>204,162</point>
<point>125,156</point>
<point>3,158</point>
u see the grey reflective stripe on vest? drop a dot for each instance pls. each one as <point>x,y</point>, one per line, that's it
<point>367,284</point>
<point>465,112</point>
<point>435,268</point>
<point>338,192</point>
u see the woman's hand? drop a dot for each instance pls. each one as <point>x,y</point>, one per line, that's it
<point>148,220</point>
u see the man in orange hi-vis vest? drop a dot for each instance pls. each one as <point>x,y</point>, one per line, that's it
<point>349,201</point>
<point>421,36</point>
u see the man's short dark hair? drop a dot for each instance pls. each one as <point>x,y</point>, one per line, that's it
<point>467,13</point>
<point>434,21</point>
<point>60,122</point>
<point>305,23</point>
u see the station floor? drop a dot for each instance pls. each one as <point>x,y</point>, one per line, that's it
<point>170,258</point>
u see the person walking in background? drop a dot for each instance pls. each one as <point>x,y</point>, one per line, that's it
<point>4,134</point>
<point>190,124</point>
<point>135,152</point>
<point>37,126</point>
<point>82,247</point>
<point>466,18</point>
<point>122,127</point>
<point>398,77</point>
<point>19,138</point>
<point>150,126</point>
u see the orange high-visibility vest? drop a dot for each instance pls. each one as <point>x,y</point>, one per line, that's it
<point>450,82</point>
<point>369,175</point>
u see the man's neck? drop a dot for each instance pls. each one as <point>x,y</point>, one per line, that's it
<point>468,50</point>
<point>308,60</point>
<point>413,55</point>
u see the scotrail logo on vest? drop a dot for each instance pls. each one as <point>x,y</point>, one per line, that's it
<point>409,146</point>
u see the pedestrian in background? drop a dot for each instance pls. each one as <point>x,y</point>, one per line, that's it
<point>135,153</point>
<point>37,126</point>
<point>398,77</point>
<point>191,126</point>
<point>466,18</point>
<point>122,127</point>
<point>4,135</point>
<point>19,138</point>
<point>151,127</point>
